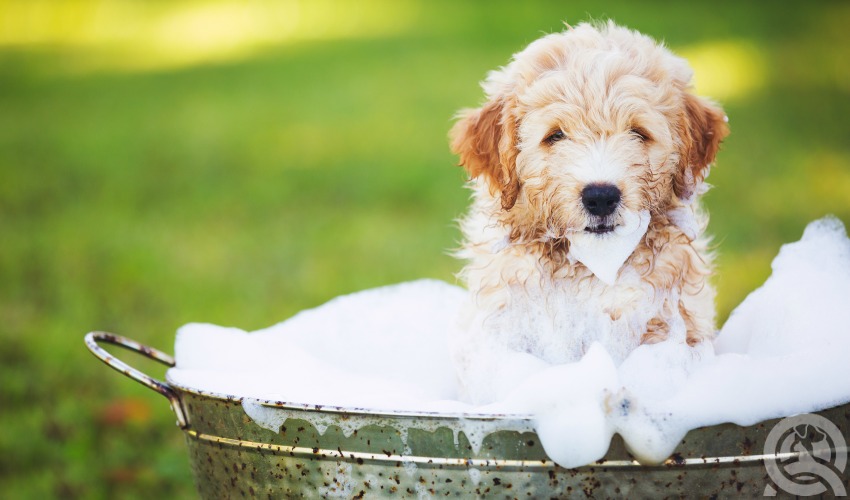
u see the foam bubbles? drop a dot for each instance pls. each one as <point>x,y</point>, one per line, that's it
<point>783,351</point>
<point>568,402</point>
<point>605,254</point>
<point>808,293</point>
<point>380,348</point>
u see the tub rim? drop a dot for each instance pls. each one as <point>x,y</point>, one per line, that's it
<point>173,391</point>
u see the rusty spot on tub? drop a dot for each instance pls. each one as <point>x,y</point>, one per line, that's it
<point>747,446</point>
<point>675,459</point>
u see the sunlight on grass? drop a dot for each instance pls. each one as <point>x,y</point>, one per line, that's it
<point>726,70</point>
<point>829,177</point>
<point>144,36</point>
<point>818,187</point>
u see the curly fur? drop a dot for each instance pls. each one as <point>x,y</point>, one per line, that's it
<point>629,117</point>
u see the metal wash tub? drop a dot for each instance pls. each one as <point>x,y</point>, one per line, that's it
<point>322,451</point>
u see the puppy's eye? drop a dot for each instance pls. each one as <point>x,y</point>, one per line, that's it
<point>554,137</point>
<point>640,134</point>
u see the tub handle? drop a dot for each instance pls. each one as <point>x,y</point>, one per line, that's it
<point>92,339</point>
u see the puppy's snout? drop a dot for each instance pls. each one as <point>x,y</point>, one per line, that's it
<point>600,199</point>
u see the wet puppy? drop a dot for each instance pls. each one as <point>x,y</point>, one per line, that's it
<point>586,162</point>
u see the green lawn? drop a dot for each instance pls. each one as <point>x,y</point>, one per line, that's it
<point>167,162</point>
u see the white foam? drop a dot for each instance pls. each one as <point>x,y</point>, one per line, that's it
<point>474,475</point>
<point>804,305</point>
<point>568,402</point>
<point>342,482</point>
<point>381,348</point>
<point>783,351</point>
<point>604,254</point>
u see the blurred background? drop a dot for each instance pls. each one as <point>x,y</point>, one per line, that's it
<point>234,162</point>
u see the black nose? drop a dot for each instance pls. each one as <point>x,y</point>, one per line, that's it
<point>600,199</point>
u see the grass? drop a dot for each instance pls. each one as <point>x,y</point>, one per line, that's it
<point>147,182</point>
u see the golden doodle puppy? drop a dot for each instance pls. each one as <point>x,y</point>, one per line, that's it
<point>586,164</point>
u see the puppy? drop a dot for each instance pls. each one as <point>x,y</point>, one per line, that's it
<point>586,164</point>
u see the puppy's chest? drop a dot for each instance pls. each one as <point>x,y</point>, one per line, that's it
<point>558,319</point>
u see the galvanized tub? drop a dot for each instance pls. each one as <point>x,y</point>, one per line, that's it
<point>298,450</point>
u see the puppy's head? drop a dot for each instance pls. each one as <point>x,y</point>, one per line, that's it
<point>584,126</point>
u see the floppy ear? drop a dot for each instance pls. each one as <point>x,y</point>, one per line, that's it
<point>487,147</point>
<point>702,128</point>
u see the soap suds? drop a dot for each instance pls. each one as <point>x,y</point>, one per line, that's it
<point>604,254</point>
<point>474,475</point>
<point>342,483</point>
<point>783,351</point>
<point>382,348</point>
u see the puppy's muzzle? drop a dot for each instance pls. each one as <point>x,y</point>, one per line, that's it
<point>600,200</point>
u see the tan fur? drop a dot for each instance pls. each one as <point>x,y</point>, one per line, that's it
<point>625,105</point>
